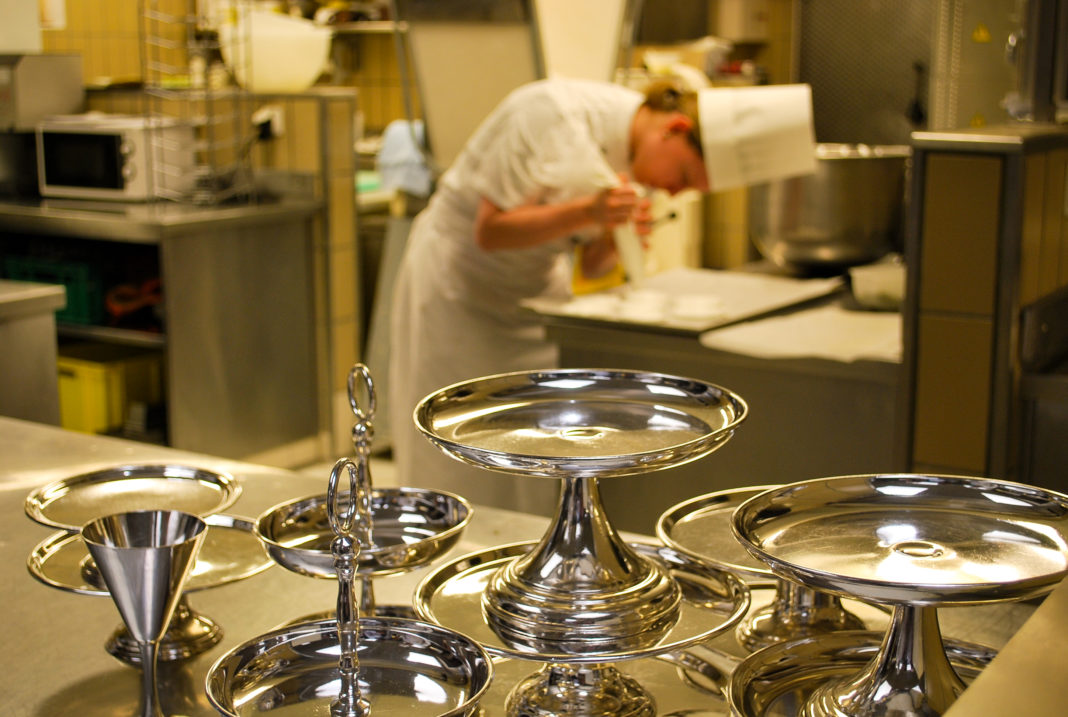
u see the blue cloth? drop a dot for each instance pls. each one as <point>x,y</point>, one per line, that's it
<point>400,161</point>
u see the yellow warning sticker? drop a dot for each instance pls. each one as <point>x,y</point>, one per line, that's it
<point>981,33</point>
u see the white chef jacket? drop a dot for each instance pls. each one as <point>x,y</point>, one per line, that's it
<point>456,313</point>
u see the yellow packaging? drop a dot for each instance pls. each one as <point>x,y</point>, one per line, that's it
<point>97,383</point>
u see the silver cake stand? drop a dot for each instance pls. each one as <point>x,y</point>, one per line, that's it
<point>348,666</point>
<point>781,678</point>
<point>70,503</point>
<point>406,528</point>
<point>230,552</point>
<point>62,561</point>
<point>701,527</point>
<point>581,599</point>
<point>914,543</point>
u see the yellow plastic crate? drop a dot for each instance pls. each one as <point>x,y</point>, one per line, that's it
<point>98,382</point>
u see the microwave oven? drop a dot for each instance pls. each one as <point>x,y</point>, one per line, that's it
<point>128,158</point>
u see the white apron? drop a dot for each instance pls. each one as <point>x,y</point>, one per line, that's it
<point>456,313</point>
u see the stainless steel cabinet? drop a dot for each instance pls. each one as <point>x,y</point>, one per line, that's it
<point>239,310</point>
<point>809,418</point>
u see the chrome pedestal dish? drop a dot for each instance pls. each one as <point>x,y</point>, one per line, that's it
<point>230,552</point>
<point>915,543</point>
<point>455,593</point>
<point>346,665</point>
<point>701,527</point>
<point>70,503</point>
<point>410,528</point>
<point>580,598</point>
<point>63,562</point>
<point>406,528</point>
<point>407,668</point>
<point>777,681</point>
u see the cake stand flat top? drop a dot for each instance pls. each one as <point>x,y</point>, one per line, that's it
<point>568,422</point>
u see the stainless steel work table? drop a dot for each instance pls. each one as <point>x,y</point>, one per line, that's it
<point>56,666</point>
<point>145,223</point>
<point>240,288</point>
<point>28,387</point>
<point>809,417</point>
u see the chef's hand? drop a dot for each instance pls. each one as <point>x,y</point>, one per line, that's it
<point>599,256</point>
<point>622,204</point>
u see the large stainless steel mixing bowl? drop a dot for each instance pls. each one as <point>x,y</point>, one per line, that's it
<point>848,212</point>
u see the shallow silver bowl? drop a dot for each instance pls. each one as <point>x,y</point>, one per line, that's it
<point>406,668</point>
<point>410,527</point>
<point>579,422</point>
<point>72,502</point>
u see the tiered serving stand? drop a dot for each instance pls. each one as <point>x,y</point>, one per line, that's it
<point>384,663</point>
<point>782,610</point>
<point>914,543</point>
<point>581,600</point>
<point>409,527</point>
<point>230,552</point>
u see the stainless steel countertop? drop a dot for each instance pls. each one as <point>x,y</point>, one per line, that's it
<point>27,298</point>
<point>145,222</point>
<point>56,665</point>
<point>1011,138</point>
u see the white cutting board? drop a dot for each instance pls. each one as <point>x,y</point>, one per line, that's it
<point>690,299</point>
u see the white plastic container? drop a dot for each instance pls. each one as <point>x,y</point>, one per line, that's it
<point>270,52</point>
<point>880,285</point>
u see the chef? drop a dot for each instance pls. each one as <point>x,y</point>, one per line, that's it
<point>544,181</point>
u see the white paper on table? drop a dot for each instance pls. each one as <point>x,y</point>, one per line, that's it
<point>827,332</point>
<point>691,299</point>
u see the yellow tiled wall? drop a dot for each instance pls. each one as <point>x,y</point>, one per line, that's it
<point>727,243</point>
<point>330,161</point>
<point>368,61</point>
<point>105,34</point>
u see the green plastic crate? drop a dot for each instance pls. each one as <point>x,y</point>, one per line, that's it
<point>85,296</point>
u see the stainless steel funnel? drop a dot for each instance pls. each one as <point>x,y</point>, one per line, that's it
<point>144,558</point>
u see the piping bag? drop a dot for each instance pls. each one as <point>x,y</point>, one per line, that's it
<point>631,247</point>
<point>631,251</point>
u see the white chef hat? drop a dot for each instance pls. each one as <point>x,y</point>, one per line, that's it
<point>756,134</point>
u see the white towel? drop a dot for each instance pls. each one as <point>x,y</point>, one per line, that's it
<point>827,332</point>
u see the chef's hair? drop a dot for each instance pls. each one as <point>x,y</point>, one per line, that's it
<point>671,96</point>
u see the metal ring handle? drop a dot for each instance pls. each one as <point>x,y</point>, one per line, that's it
<point>345,549</point>
<point>369,386</point>
<point>342,520</point>
<point>363,431</point>
<point>354,519</point>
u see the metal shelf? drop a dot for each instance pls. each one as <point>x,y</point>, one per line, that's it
<point>370,27</point>
<point>107,334</point>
